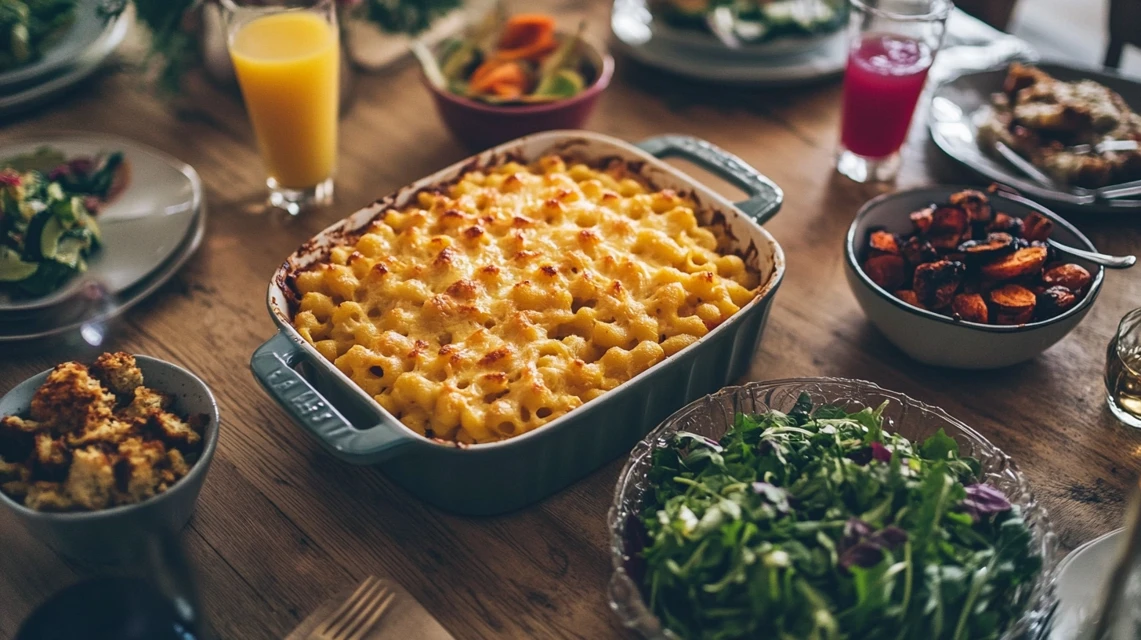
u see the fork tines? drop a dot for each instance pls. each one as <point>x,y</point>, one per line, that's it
<point>359,615</point>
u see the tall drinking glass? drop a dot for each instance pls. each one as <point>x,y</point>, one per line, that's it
<point>287,60</point>
<point>892,44</point>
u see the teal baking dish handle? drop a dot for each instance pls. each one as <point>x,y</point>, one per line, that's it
<point>765,197</point>
<point>273,365</point>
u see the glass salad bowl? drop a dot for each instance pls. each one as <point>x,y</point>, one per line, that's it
<point>713,415</point>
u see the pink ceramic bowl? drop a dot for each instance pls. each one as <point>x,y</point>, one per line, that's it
<point>480,125</point>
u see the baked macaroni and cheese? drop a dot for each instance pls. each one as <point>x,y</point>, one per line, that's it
<point>494,305</point>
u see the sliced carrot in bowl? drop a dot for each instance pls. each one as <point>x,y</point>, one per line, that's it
<point>527,36</point>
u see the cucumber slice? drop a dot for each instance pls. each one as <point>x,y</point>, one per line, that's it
<point>69,210</point>
<point>12,268</point>
<point>49,237</point>
<point>70,250</point>
<point>47,278</point>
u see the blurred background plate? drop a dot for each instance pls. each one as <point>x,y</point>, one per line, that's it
<point>87,317</point>
<point>141,228</point>
<point>639,36</point>
<point>19,97</point>
<point>87,28</point>
<point>954,130</point>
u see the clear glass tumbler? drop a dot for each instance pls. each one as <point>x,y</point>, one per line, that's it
<point>287,61</point>
<point>892,44</point>
<point>1123,370</point>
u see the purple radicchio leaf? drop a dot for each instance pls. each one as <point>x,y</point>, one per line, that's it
<point>855,530</point>
<point>863,547</point>
<point>890,537</point>
<point>983,500</point>
<point>880,452</point>
<point>865,554</point>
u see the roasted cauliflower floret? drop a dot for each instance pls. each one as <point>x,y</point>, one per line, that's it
<point>49,454</point>
<point>144,403</point>
<point>118,372</point>
<point>137,470</point>
<point>90,479</point>
<point>71,398</point>
<point>14,472</point>
<point>47,496</point>
<point>174,430</point>
<point>110,431</point>
<point>16,437</point>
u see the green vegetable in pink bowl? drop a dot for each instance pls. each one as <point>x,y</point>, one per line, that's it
<point>793,510</point>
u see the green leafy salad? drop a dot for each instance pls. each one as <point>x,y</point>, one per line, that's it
<point>28,26</point>
<point>819,525</point>
<point>47,217</point>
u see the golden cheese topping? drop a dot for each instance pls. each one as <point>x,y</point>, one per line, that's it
<point>518,294</point>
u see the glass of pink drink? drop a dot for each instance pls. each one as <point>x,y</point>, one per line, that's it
<point>892,45</point>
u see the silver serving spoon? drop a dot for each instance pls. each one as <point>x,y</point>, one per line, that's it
<point>1105,260</point>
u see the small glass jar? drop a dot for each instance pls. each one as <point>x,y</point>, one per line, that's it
<point>1123,370</point>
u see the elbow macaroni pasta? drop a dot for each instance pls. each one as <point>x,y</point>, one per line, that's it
<point>489,308</point>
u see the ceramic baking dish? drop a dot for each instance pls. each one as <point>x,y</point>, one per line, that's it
<point>498,477</point>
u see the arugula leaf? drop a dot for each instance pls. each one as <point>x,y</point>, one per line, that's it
<point>939,446</point>
<point>819,524</point>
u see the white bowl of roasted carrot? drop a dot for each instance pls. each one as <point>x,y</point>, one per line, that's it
<point>509,76</point>
<point>961,278</point>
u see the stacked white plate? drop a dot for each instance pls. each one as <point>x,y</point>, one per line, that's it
<point>76,54</point>
<point>148,233</point>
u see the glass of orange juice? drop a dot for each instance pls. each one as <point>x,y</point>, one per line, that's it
<point>286,57</point>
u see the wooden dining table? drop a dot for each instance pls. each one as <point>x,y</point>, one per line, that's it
<point>281,525</point>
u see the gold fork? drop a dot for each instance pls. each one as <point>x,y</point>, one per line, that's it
<point>358,615</point>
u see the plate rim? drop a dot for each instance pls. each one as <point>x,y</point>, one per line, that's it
<point>196,200</point>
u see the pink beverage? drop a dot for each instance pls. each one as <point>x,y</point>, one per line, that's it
<point>882,84</point>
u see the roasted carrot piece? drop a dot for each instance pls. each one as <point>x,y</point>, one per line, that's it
<point>504,79</point>
<point>948,220</point>
<point>1024,262</point>
<point>883,242</point>
<point>917,251</point>
<point>1007,224</point>
<point>1037,227</point>
<point>527,36</point>
<point>908,296</point>
<point>974,203</point>
<point>1054,301</point>
<point>1071,276</point>
<point>970,307</point>
<point>886,270</point>
<point>995,244</point>
<point>922,219</point>
<point>945,242</point>
<point>936,282</point>
<point>1013,304</point>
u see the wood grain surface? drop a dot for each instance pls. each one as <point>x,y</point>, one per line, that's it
<point>281,526</point>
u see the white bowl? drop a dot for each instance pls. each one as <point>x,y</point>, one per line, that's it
<point>936,339</point>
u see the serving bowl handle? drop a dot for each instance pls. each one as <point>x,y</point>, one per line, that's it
<point>273,365</point>
<point>765,197</point>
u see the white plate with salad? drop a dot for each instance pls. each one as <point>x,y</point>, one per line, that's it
<point>87,208</point>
